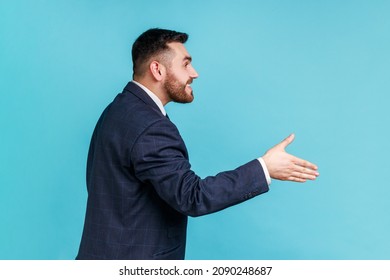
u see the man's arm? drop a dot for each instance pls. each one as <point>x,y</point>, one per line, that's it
<point>159,159</point>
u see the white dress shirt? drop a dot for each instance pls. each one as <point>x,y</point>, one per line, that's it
<point>160,105</point>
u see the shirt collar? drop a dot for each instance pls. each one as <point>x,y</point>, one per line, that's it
<point>153,96</point>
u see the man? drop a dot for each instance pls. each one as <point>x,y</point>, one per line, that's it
<point>140,185</point>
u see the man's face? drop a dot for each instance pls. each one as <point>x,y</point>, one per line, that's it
<point>180,74</point>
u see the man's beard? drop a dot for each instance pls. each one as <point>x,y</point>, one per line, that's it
<point>177,90</point>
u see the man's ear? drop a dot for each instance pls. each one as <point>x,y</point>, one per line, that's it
<point>157,70</point>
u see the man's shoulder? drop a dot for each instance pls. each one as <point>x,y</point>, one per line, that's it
<point>128,116</point>
<point>131,114</point>
<point>128,106</point>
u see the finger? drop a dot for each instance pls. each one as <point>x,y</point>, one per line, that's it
<point>304,163</point>
<point>303,176</point>
<point>287,141</point>
<point>296,179</point>
<point>307,171</point>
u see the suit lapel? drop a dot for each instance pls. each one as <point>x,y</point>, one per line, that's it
<point>141,94</point>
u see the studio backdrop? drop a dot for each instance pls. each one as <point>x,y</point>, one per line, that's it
<point>319,69</point>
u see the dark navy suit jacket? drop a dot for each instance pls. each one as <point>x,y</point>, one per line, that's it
<point>141,188</point>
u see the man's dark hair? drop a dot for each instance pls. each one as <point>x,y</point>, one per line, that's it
<point>153,42</point>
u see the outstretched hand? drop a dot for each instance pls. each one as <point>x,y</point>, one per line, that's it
<point>286,167</point>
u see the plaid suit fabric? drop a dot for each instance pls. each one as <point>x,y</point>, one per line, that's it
<point>141,188</point>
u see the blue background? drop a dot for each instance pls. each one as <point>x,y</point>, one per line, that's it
<point>319,69</point>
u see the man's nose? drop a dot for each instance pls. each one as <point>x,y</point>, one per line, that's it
<point>193,73</point>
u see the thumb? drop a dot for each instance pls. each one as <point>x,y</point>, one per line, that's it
<point>287,141</point>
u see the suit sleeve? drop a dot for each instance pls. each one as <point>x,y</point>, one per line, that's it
<point>159,157</point>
